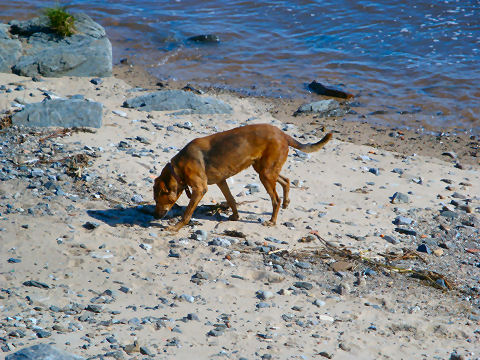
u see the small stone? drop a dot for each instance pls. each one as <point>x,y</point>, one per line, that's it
<point>137,199</point>
<point>319,303</point>
<point>399,198</point>
<point>262,305</point>
<point>91,225</point>
<point>449,214</point>
<point>303,285</point>
<point>406,231</point>
<point>390,239</point>
<point>146,351</point>
<point>438,252</point>
<point>342,289</point>
<point>264,295</point>
<point>124,289</point>
<point>120,113</point>
<point>42,334</point>
<point>37,284</point>
<point>303,265</point>
<point>200,235</point>
<point>342,266</point>
<point>374,171</point>
<point>253,188</point>
<point>14,261</point>
<point>424,248</point>
<point>220,242</point>
<point>96,81</point>
<point>187,298</point>
<point>402,220</point>
<point>94,308</point>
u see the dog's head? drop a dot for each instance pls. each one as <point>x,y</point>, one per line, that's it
<point>166,191</point>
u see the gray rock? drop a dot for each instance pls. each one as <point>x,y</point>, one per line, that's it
<point>399,197</point>
<point>264,294</point>
<point>137,199</point>
<point>86,53</point>
<point>42,352</point>
<point>220,242</point>
<point>168,100</point>
<point>323,108</point>
<point>402,220</point>
<point>303,285</point>
<point>10,49</point>
<point>200,235</point>
<point>60,112</point>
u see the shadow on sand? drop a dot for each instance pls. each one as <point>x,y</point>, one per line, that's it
<point>142,215</point>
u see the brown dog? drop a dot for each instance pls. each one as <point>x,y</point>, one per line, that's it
<point>213,159</point>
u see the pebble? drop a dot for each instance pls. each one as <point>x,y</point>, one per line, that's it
<point>120,113</point>
<point>400,198</point>
<point>424,248</point>
<point>137,199</point>
<point>303,285</point>
<point>219,241</point>
<point>264,295</point>
<point>187,298</point>
<point>253,188</point>
<point>391,239</point>
<point>200,235</point>
<point>319,303</point>
<point>402,220</point>
<point>406,231</point>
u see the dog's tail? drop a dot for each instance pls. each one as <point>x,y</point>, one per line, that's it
<point>308,148</point>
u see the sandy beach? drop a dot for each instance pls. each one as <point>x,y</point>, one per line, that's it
<point>376,257</point>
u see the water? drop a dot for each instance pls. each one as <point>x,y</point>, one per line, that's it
<point>416,62</point>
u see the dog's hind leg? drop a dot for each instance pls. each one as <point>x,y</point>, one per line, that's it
<point>230,200</point>
<point>269,181</point>
<point>285,182</point>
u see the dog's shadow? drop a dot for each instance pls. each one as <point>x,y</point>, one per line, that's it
<point>142,215</point>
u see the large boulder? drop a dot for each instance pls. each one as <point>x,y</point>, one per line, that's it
<point>60,112</point>
<point>30,48</point>
<point>42,352</point>
<point>10,49</point>
<point>188,102</point>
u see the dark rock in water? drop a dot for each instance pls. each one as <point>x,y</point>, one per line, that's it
<point>205,39</point>
<point>42,352</point>
<point>320,89</point>
<point>30,48</point>
<point>178,100</point>
<point>60,112</point>
<point>323,108</point>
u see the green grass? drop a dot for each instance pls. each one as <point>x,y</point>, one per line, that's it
<point>61,22</point>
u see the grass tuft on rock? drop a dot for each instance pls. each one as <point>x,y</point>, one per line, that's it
<point>61,22</point>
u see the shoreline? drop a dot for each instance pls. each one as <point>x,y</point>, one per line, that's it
<point>449,144</point>
<point>375,257</point>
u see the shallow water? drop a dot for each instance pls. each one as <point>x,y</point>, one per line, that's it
<point>416,63</point>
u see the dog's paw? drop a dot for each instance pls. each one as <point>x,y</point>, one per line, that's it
<point>233,217</point>
<point>268,223</point>
<point>173,228</point>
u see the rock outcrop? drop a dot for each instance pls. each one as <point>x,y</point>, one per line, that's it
<point>187,102</point>
<point>60,112</point>
<point>30,48</point>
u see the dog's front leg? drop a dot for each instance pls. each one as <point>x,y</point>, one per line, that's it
<point>197,195</point>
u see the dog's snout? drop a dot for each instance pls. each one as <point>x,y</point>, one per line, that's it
<point>160,213</point>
